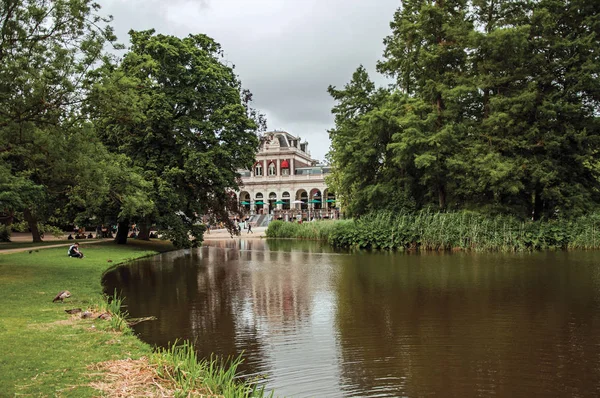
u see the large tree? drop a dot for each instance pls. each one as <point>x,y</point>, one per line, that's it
<point>537,66</point>
<point>47,51</point>
<point>494,107</point>
<point>361,180</point>
<point>177,110</point>
<point>427,54</point>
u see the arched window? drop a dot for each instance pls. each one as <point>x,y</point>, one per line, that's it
<point>258,170</point>
<point>272,170</point>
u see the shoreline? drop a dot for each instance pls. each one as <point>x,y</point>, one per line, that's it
<point>220,234</point>
<point>47,352</point>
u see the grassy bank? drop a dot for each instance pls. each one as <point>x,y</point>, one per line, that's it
<point>447,231</point>
<point>46,352</point>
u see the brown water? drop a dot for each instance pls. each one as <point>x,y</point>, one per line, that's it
<point>315,323</point>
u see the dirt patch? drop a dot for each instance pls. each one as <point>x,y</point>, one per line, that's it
<point>134,378</point>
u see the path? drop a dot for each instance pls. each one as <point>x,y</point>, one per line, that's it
<point>27,248</point>
<point>257,233</point>
<point>215,234</point>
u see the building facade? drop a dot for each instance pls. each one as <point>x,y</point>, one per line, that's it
<point>286,182</point>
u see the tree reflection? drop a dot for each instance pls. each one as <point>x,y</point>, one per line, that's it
<point>194,298</point>
<point>466,325</point>
<point>393,324</point>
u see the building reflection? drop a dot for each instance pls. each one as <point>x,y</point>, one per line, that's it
<point>226,298</point>
<point>279,291</point>
<point>317,323</point>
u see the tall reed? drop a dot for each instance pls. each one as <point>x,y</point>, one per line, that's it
<point>447,231</point>
<point>113,305</point>
<point>180,365</point>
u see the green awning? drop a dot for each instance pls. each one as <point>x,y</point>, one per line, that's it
<point>330,200</point>
<point>260,202</point>
<point>314,201</point>
<point>244,203</point>
<point>280,202</point>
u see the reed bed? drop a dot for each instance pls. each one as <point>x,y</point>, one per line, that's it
<point>180,367</point>
<point>314,230</point>
<point>447,231</point>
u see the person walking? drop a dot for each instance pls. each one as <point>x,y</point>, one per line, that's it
<point>250,229</point>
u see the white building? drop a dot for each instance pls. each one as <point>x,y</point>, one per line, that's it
<point>286,182</point>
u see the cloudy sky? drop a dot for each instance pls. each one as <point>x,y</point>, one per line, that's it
<point>285,51</point>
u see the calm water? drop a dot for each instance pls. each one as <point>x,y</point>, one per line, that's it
<point>315,323</point>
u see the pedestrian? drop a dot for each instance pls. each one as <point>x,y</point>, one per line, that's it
<point>250,229</point>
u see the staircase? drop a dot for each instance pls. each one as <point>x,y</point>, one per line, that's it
<point>260,220</point>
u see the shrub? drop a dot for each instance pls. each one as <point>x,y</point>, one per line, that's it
<point>4,233</point>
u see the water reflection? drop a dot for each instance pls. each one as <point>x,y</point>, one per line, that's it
<point>469,324</point>
<point>320,323</point>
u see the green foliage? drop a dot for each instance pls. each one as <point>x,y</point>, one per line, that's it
<point>48,54</point>
<point>4,233</point>
<point>315,230</point>
<point>448,231</point>
<point>180,364</point>
<point>175,108</point>
<point>493,108</point>
<point>118,318</point>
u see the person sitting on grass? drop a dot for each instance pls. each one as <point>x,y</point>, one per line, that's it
<point>74,251</point>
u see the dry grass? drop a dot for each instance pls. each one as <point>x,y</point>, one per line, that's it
<point>136,378</point>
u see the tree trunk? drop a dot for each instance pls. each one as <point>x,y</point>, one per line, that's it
<point>33,226</point>
<point>144,231</point>
<point>486,103</point>
<point>122,232</point>
<point>538,205</point>
<point>442,196</point>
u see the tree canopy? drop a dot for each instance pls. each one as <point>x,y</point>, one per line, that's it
<point>493,107</point>
<point>154,138</point>
<point>181,118</point>
<point>47,51</point>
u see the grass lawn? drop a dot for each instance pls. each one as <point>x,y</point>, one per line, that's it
<point>43,350</point>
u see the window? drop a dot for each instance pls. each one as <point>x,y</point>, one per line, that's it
<point>272,170</point>
<point>258,170</point>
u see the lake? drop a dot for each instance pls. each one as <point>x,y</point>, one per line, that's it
<point>312,322</point>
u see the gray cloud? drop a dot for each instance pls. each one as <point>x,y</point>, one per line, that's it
<point>286,52</point>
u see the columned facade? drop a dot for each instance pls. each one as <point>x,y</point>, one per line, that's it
<point>286,182</point>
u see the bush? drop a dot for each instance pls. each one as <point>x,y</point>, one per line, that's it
<point>4,233</point>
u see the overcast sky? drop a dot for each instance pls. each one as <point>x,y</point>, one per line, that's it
<point>286,52</point>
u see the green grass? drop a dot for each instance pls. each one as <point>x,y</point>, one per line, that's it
<point>44,352</point>
<point>178,363</point>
